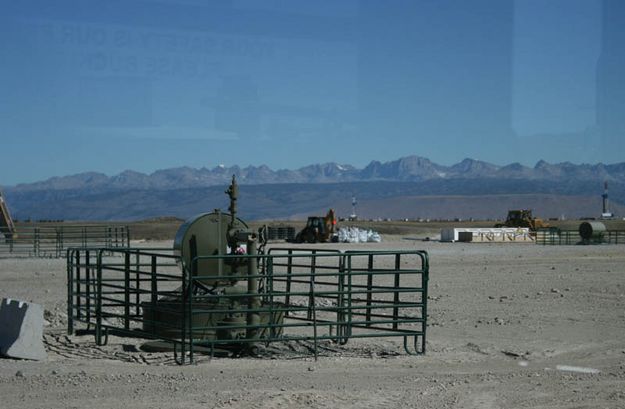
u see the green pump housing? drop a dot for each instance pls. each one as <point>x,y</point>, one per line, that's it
<point>224,292</point>
<point>207,235</point>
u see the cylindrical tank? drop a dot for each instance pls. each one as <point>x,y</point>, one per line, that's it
<point>206,235</point>
<point>592,230</point>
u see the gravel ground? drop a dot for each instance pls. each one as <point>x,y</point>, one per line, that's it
<point>511,326</point>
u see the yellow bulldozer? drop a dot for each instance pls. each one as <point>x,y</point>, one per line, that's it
<point>523,218</point>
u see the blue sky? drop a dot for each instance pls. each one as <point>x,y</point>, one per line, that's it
<point>146,85</point>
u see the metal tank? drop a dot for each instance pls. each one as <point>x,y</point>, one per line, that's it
<point>207,235</point>
<point>592,231</point>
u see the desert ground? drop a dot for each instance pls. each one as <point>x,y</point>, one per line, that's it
<point>510,326</point>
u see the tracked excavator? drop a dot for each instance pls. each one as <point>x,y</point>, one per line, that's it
<point>7,227</point>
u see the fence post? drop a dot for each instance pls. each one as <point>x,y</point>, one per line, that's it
<point>137,283</point>
<point>36,242</point>
<point>57,242</point>
<point>341,328</point>
<point>88,286</point>
<point>78,295</point>
<point>98,307</point>
<point>70,295</point>
<point>396,292</point>
<point>289,271</point>
<point>127,290</point>
<point>425,273</point>
<point>311,287</point>
<point>369,289</point>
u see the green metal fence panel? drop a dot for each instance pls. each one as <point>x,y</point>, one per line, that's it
<point>52,241</point>
<point>301,295</point>
<point>554,237</point>
<point>107,289</point>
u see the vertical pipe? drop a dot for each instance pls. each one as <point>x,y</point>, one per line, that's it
<point>98,301</point>
<point>137,283</point>
<point>78,294</point>
<point>70,297</point>
<point>369,289</point>
<point>314,320</point>
<point>253,301</point>
<point>425,272</point>
<point>269,286</point>
<point>396,292</point>
<point>340,300</point>
<point>185,321</point>
<point>289,271</point>
<point>36,242</point>
<point>188,317</point>
<point>311,286</point>
<point>127,290</point>
<point>154,288</point>
<point>62,239</point>
<point>87,286</point>
<point>348,327</point>
<point>153,294</point>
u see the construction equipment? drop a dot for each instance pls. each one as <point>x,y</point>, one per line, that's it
<point>318,229</point>
<point>523,218</point>
<point>7,227</point>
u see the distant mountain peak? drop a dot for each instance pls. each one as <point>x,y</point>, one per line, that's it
<point>411,168</point>
<point>183,191</point>
<point>472,168</point>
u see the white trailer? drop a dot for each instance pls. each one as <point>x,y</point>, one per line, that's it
<point>488,234</point>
